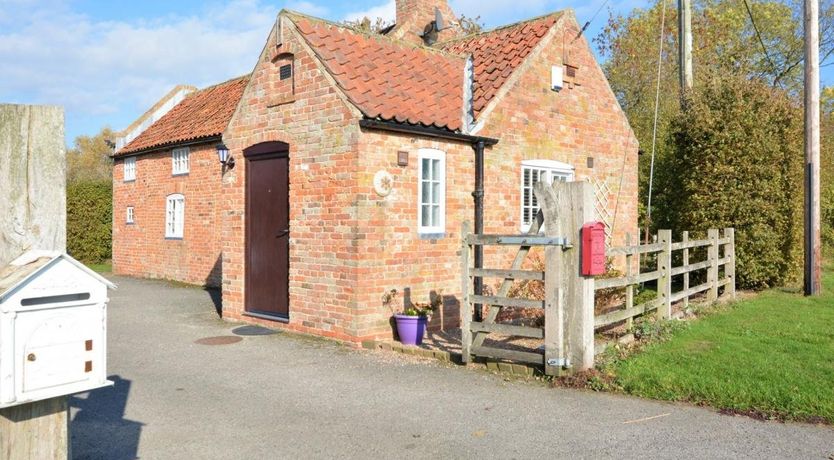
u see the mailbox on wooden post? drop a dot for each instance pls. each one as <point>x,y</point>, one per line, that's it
<point>593,249</point>
<point>53,320</point>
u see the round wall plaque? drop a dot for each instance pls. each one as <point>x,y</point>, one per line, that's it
<point>383,183</point>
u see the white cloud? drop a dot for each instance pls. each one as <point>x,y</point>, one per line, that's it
<point>117,69</point>
<point>387,11</point>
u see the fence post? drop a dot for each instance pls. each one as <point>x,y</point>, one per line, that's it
<point>579,295</point>
<point>554,310</point>
<point>712,273</point>
<point>664,283</point>
<point>552,199</point>
<point>630,288</point>
<point>730,268</point>
<point>465,302</point>
<point>685,274</point>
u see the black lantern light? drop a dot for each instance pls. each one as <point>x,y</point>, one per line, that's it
<point>225,158</point>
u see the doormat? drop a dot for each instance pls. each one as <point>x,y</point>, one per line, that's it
<point>219,340</point>
<point>253,331</point>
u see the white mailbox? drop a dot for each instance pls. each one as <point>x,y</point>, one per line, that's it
<point>53,328</point>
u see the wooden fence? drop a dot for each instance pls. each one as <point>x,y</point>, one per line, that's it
<point>719,252</point>
<point>569,314</point>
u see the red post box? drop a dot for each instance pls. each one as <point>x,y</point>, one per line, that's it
<point>593,249</point>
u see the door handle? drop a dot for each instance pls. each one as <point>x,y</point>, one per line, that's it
<point>283,233</point>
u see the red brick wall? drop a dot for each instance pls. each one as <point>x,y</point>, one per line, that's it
<point>394,254</point>
<point>141,249</point>
<point>570,126</point>
<point>322,132</point>
<point>532,122</point>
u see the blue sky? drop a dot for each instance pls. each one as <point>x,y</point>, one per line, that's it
<point>107,62</point>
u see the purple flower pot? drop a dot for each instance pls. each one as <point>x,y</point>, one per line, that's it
<point>411,329</point>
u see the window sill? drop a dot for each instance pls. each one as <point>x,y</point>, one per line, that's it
<point>180,174</point>
<point>431,235</point>
<point>128,181</point>
<point>174,238</point>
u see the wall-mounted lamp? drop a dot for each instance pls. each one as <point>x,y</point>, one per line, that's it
<point>225,158</point>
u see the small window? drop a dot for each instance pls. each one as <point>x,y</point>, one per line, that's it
<point>179,158</point>
<point>285,71</point>
<point>431,193</point>
<point>130,169</point>
<point>533,171</point>
<point>129,216</point>
<point>175,216</point>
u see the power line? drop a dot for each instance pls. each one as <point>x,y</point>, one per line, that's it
<point>587,24</point>
<point>656,110</point>
<point>759,36</point>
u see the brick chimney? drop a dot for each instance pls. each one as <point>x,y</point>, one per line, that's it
<point>413,16</point>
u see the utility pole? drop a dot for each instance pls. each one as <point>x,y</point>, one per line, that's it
<point>812,148</point>
<point>685,44</point>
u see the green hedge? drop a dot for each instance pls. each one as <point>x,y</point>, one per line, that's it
<point>90,221</point>
<point>738,162</point>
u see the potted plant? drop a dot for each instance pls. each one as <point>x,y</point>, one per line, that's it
<point>411,321</point>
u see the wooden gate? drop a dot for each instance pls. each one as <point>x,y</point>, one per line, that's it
<point>567,341</point>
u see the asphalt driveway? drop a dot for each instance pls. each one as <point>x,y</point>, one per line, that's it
<point>281,396</point>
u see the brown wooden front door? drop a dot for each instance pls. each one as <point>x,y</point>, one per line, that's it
<point>267,230</point>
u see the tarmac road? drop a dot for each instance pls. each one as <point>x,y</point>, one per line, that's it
<point>283,396</point>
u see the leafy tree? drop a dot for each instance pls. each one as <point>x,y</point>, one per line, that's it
<point>468,25</point>
<point>89,159</point>
<point>725,43</point>
<point>376,26</point>
<point>89,220</point>
<point>471,26</point>
<point>828,101</point>
<point>827,166</point>
<point>738,162</point>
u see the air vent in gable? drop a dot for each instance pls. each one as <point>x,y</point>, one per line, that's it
<point>286,71</point>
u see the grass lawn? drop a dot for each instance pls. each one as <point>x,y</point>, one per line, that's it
<point>770,356</point>
<point>106,267</point>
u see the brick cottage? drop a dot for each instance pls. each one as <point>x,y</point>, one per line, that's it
<point>354,165</point>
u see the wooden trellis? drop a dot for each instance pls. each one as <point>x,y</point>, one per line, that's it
<point>602,194</point>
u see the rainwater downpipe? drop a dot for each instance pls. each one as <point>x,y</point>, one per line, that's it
<point>478,195</point>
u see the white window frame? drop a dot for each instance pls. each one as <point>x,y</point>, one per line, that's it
<point>175,216</point>
<point>129,169</point>
<point>438,227</point>
<point>550,170</point>
<point>130,215</point>
<point>180,161</point>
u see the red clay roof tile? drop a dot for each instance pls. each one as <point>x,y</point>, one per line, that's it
<point>497,53</point>
<point>387,79</point>
<point>203,114</point>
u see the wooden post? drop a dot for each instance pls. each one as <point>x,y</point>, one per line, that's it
<point>465,301</point>
<point>572,204</point>
<point>664,283</point>
<point>630,288</point>
<point>35,431</point>
<point>685,274</point>
<point>33,210</point>
<point>813,246</point>
<point>730,268</point>
<point>712,272</point>
<point>555,356</point>
<point>685,44</point>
